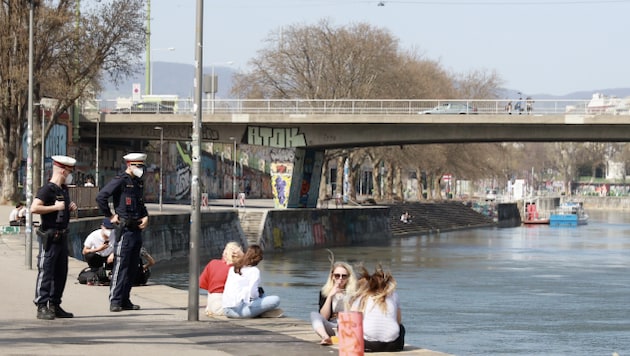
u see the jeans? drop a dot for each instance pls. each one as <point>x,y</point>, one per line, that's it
<point>253,309</point>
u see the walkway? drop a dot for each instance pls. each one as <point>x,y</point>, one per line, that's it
<point>159,328</point>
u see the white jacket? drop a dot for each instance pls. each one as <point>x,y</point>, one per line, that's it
<point>241,288</point>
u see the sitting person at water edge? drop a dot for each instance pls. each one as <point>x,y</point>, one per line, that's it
<point>214,276</point>
<point>242,296</point>
<point>144,271</point>
<point>97,248</point>
<point>17,216</point>
<point>333,298</point>
<point>405,217</point>
<point>377,299</point>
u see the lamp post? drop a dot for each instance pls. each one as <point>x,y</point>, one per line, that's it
<point>98,141</point>
<point>161,160</point>
<point>233,172</point>
<point>29,141</point>
<point>170,49</point>
<point>41,176</point>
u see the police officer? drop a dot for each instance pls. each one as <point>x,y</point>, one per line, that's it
<point>53,204</point>
<point>131,217</point>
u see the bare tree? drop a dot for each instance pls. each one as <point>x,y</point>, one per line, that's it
<point>73,49</point>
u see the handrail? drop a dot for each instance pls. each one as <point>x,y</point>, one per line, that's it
<point>369,107</point>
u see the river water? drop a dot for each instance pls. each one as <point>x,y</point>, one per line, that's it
<point>535,290</point>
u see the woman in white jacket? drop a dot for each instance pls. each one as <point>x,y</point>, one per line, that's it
<point>242,296</point>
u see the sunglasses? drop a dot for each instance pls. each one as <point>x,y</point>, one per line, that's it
<point>342,276</point>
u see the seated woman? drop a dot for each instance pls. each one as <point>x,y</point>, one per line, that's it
<point>377,299</point>
<point>333,297</point>
<point>214,276</point>
<point>242,295</point>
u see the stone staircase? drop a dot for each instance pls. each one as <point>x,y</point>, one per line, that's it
<point>435,217</point>
<point>252,223</point>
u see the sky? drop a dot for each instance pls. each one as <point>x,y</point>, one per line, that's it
<point>551,47</point>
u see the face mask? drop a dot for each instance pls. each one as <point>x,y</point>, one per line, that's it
<point>69,179</point>
<point>137,171</point>
<point>107,232</point>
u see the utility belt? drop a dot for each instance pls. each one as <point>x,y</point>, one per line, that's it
<point>50,236</point>
<point>130,224</point>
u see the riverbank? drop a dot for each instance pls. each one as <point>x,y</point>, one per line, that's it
<point>159,328</point>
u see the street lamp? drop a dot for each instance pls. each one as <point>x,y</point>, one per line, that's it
<point>233,172</point>
<point>170,49</point>
<point>161,161</point>
<point>41,177</point>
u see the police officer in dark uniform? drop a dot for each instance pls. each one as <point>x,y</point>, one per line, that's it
<point>53,204</point>
<point>131,217</point>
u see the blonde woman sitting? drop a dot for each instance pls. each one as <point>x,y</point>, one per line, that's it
<point>214,276</point>
<point>333,297</point>
<point>377,299</point>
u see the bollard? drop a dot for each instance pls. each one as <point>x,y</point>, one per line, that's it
<point>350,333</point>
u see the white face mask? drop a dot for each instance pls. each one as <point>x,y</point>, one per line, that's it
<point>107,232</point>
<point>137,171</point>
<point>69,179</point>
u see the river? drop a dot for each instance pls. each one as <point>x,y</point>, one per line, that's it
<point>517,291</point>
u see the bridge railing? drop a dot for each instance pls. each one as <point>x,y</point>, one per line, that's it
<point>363,107</point>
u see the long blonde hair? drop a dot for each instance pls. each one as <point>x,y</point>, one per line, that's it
<point>377,286</point>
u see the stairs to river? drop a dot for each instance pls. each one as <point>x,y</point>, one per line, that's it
<point>428,217</point>
<point>252,223</point>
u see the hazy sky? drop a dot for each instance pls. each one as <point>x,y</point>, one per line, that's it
<point>537,46</point>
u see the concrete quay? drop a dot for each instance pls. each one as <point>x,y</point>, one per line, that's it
<point>159,328</point>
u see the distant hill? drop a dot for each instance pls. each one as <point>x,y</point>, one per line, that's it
<point>177,78</point>
<point>172,79</point>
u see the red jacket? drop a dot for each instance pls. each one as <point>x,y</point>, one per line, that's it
<point>214,275</point>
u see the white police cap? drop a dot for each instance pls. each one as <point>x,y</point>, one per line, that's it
<point>64,161</point>
<point>135,158</point>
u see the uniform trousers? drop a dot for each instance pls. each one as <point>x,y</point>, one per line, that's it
<point>126,260</point>
<point>52,266</point>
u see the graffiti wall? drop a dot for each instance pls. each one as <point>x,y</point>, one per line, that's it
<point>306,178</point>
<point>299,228</point>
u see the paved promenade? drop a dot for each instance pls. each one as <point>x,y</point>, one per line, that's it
<point>159,328</point>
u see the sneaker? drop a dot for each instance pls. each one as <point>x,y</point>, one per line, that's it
<point>131,306</point>
<point>115,308</point>
<point>274,313</point>
<point>45,313</point>
<point>60,313</point>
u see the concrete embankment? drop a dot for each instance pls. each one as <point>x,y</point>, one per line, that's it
<point>159,328</point>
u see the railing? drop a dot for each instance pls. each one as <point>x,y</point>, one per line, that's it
<point>364,107</point>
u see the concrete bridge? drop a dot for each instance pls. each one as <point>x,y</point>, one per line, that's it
<point>321,124</point>
<point>311,127</point>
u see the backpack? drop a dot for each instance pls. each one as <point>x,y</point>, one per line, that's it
<point>93,276</point>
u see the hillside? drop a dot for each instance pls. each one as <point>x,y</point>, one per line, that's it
<point>177,78</point>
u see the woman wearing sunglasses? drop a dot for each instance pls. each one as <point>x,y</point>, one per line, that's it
<point>333,297</point>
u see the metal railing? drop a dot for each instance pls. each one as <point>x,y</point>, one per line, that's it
<point>364,107</point>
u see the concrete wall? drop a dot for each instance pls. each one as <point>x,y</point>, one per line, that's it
<point>300,228</point>
<point>167,237</point>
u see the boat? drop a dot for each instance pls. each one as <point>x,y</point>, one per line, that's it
<point>569,214</point>
<point>532,216</point>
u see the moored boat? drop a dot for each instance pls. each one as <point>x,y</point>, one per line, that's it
<point>532,216</point>
<point>569,214</point>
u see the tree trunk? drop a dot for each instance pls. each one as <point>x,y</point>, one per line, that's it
<point>389,181</point>
<point>376,191</point>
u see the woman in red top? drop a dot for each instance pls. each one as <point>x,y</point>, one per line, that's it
<point>214,275</point>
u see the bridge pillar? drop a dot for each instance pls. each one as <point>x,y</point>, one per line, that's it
<point>306,177</point>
